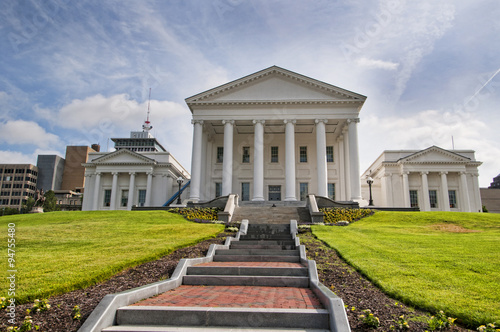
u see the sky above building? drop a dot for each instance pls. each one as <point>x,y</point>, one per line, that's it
<point>79,72</point>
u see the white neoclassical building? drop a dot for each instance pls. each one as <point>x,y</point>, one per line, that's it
<point>140,172</point>
<point>275,135</point>
<point>433,179</point>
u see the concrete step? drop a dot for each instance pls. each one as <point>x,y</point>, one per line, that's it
<point>247,271</point>
<point>133,328</point>
<point>217,316</point>
<point>256,258</point>
<point>264,242</point>
<point>255,246</point>
<point>270,237</point>
<point>291,252</point>
<point>225,280</point>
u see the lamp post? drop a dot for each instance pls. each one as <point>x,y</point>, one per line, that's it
<point>369,180</point>
<point>179,181</point>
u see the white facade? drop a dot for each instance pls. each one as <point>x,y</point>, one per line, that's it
<point>275,135</point>
<point>123,178</point>
<point>433,179</point>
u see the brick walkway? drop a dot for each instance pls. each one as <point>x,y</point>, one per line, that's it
<point>253,264</point>
<point>236,297</point>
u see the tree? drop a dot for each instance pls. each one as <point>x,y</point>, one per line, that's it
<point>50,203</point>
<point>30,202</point>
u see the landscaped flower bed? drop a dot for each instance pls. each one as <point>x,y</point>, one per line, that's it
<point>334,215</point>
<point>198,214</point>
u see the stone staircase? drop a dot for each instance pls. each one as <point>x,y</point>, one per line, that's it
<point>258,284</point>
<point>267,214</point>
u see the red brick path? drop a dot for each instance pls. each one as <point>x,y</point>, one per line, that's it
<point>236,297</point>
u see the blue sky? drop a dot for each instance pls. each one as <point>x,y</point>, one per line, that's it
<point>78,72</point>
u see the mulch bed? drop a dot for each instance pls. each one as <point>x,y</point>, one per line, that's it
<point>357,293</point>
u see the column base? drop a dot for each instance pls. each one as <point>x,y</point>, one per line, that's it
<point>290,199</point>
<point>258,199</point>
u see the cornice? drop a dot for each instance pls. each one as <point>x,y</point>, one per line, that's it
<point>102,160</point>
<point>275,102</point>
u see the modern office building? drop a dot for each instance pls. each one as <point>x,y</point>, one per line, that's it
<point>50,172</point>
<point>18,183</point>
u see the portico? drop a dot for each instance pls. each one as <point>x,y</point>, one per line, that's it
<point>275,135</point>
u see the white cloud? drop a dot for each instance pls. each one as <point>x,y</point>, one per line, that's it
<point>15,157</point>
<point>19,132</point>
<point>377,64</point>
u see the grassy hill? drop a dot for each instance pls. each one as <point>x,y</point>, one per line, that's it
<point>434,260</point>
<point>61,251</point>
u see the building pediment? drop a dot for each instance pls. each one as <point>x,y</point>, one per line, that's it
<point>125,157</point>
<point>434,155</point>
<point>275,85</point>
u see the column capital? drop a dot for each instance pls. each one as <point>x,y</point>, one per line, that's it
<point>131,173</point>
<point>258,121</point>
<point>405,173</point>
<point>114,173</point>
<point>193,121</point>
<point>149,172</point>
<point>424,173</point>
<point>355,120</point>
<point>320,120</point>
<point>340,138</point>
<point>289,121</point>
<point>462,173</point>
<point>228,121</point>
<point>443,173</point>
<point>98,173</point>
<point>387,175</point>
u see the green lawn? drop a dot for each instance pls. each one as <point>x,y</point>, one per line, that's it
<point>61,251</point>
<point>433,260</point>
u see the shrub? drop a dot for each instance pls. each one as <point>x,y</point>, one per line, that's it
<point>369,319</point>
<point>334,215</point>
<point>41,306</point>
<point>197,214</point>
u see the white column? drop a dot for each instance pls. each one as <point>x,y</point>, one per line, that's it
<point>114,187</point>
<point>258,161</point>
<point>170,185</point>
<point>196,160</point>
<point>88,200</point>
<point>347,169</point>
<point>290,160</point>
<point>321,157</point>
<point>425,192</point>
<point>444,191</point>
<point>406,189</point>
<point>131,190</point>
<point>388,190</point>
<point>340,149</point>
<point>477,194</point>
<point>149,188</point>
<point>227,158</point>
<point>97,190</point>
<point>354,159</point>
<point>464,192</point>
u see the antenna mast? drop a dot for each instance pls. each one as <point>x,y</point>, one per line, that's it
<point>147,125</point>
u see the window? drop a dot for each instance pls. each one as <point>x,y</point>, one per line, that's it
<point>124,200</point>
<point>329,154</point>
<point>331,191</point>
<point>304,190</point>
<point>246,154</point>
<point>413,198</point>
<point>107,197</point>
<point>142,197</point>
<point>433,198</point>
<point>274,154</point>
<point>303,154</point>
<point>218,189</point>
<point>452,194</point>
<point>6,185</point>
<point>245,191</point>
<point>220,154</point>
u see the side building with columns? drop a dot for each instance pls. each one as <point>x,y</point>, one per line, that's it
<point>275,135</point>
<point>433,179</point>
<point>140,172</point>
